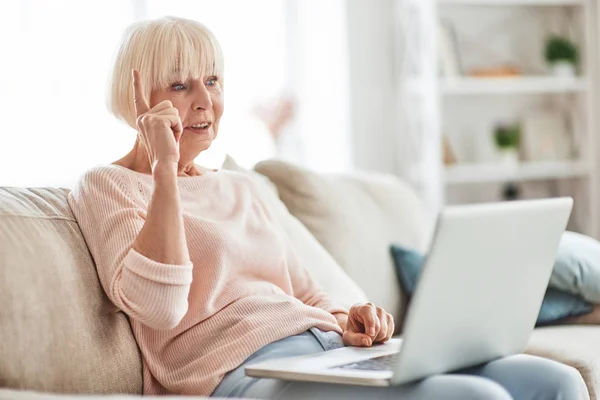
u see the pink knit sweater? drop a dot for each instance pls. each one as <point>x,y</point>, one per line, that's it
<point>245,286</point>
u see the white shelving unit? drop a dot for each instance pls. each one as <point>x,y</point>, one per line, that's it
<point>581,169</point>
<point>428,100</point>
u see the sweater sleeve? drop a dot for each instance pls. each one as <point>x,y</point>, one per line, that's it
<point>306,289</point>
<point>152,293</point>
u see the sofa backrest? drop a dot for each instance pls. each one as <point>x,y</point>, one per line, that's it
<point>356,217</point>
<point>342,290</point>
<point>58,330</point>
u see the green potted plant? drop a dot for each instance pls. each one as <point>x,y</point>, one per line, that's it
<point>507,138</point>
<point>562,56</point>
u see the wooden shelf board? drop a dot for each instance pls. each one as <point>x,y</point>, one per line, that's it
<point>526,84</point>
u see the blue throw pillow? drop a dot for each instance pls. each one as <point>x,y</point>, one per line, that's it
<point>577,267</point>
<point>408,267</point>
<point>557,305</point>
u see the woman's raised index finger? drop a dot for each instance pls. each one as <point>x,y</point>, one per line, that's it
<point>139,99</point>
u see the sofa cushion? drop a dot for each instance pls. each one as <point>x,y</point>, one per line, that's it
<point>8,394</point>
<point>58,330</point>
<point>328,274</point>
<point>355,218</point>
<point>577,346</point>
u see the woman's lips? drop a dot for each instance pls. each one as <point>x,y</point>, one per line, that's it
<point>199,129</point>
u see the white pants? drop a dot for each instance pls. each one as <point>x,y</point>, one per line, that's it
<point>519,377</point>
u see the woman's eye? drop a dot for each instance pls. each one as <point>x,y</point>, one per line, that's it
<point>178,86</point>
<point>212,81</point>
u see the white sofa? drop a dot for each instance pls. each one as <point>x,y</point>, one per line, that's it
<point>60,334</point>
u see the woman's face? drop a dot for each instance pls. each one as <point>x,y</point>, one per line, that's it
<point>200,106</point>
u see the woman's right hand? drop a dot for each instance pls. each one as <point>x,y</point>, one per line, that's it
<point>159,127</point>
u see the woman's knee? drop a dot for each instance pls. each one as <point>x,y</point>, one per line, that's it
<point>564,383</point>
<point>484,389</point>
<point>552,380</point>
<point>460,387</point>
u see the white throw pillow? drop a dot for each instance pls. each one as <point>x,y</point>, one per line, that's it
<point>322,266</point>
<point>356,218</point>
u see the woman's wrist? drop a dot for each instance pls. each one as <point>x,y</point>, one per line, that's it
<point>342,319</point>
<point>164,170</point>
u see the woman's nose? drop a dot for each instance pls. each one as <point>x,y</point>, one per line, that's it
<point>202,100</point>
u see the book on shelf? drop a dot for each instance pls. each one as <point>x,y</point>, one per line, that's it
<point>449,57</point>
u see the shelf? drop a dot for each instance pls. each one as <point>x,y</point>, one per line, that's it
<point>532,84</point>
<point>512,2</point>
<point>526,171</point>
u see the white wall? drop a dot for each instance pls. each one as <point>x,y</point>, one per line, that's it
<point>373,76</point>
<point>318,78</point>
<point>394,131</point>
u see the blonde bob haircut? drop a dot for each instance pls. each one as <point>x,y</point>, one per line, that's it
<point>164,50</point>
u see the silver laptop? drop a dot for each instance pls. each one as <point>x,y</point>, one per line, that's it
<point>478,298</point>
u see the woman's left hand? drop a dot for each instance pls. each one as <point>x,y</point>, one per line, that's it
<point>367,324</point>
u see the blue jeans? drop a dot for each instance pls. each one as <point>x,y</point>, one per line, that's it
<point>519,377</point>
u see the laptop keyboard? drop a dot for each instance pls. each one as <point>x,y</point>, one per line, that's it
<point>381,363</point>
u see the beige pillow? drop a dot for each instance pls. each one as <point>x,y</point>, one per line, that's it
<point>58,330</point>
<point>356,218</point>
<point>322,266</point>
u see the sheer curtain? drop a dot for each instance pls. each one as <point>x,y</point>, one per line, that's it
<point>57,56</point>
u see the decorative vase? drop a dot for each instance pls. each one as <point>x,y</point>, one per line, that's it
<point>509,156</point>
<point>563,69</point>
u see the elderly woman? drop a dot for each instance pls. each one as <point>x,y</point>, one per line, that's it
<point>198,262</point>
